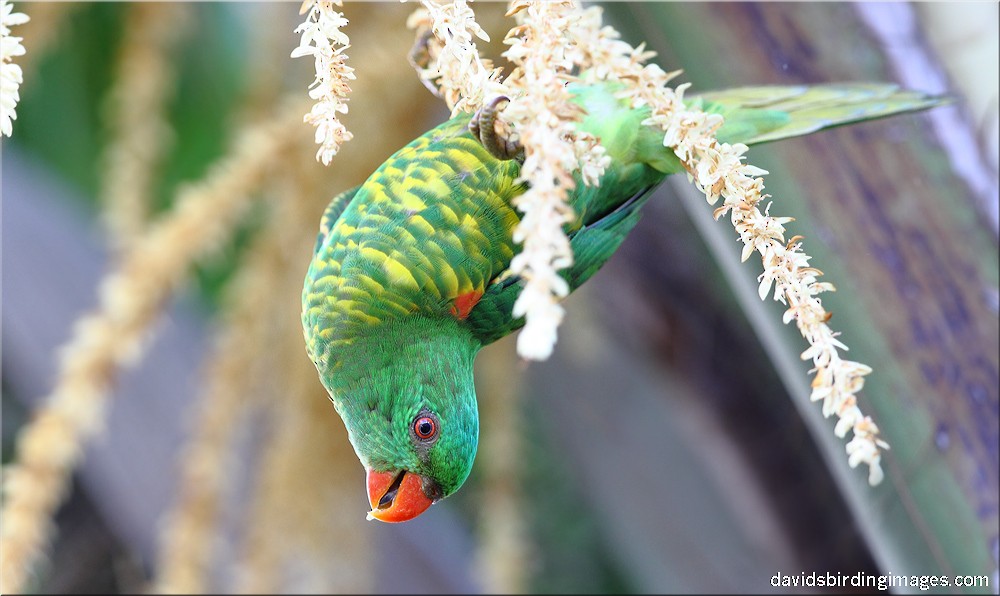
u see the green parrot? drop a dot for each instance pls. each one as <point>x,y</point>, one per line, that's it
<point>410,273</point>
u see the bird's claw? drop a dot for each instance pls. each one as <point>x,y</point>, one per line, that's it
<point>421,56</point>
<point>483,128</point>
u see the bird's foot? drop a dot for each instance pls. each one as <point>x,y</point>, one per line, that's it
<point>421,56</point>
<point>483,126</point>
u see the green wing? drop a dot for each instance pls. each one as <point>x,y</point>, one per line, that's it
<point>762,114</point>
<point>593,244</point>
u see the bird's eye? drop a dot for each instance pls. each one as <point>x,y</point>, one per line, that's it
<point>425,428</point>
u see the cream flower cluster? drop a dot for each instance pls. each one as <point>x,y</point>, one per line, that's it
<point>542,113</point>
<point>462,78</point>
<point>718,170</point>
<point>10,73</point>
<point>323,39</point>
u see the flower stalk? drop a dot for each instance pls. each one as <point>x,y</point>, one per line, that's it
<point>453,66</point>
<point>135,116</point>
<point>325,42</point>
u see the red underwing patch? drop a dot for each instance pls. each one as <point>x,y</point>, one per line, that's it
<point>464,303</point>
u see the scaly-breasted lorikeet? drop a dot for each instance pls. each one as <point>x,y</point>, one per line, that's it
<point>408,278</point>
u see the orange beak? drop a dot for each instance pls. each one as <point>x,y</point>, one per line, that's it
<point>396,496</point>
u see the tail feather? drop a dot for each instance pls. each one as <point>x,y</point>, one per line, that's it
<point>769,113</point>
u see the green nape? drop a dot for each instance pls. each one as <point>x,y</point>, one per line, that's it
<point>401,370</point>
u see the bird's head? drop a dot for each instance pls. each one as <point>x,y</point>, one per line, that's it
<point>407,397</point>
